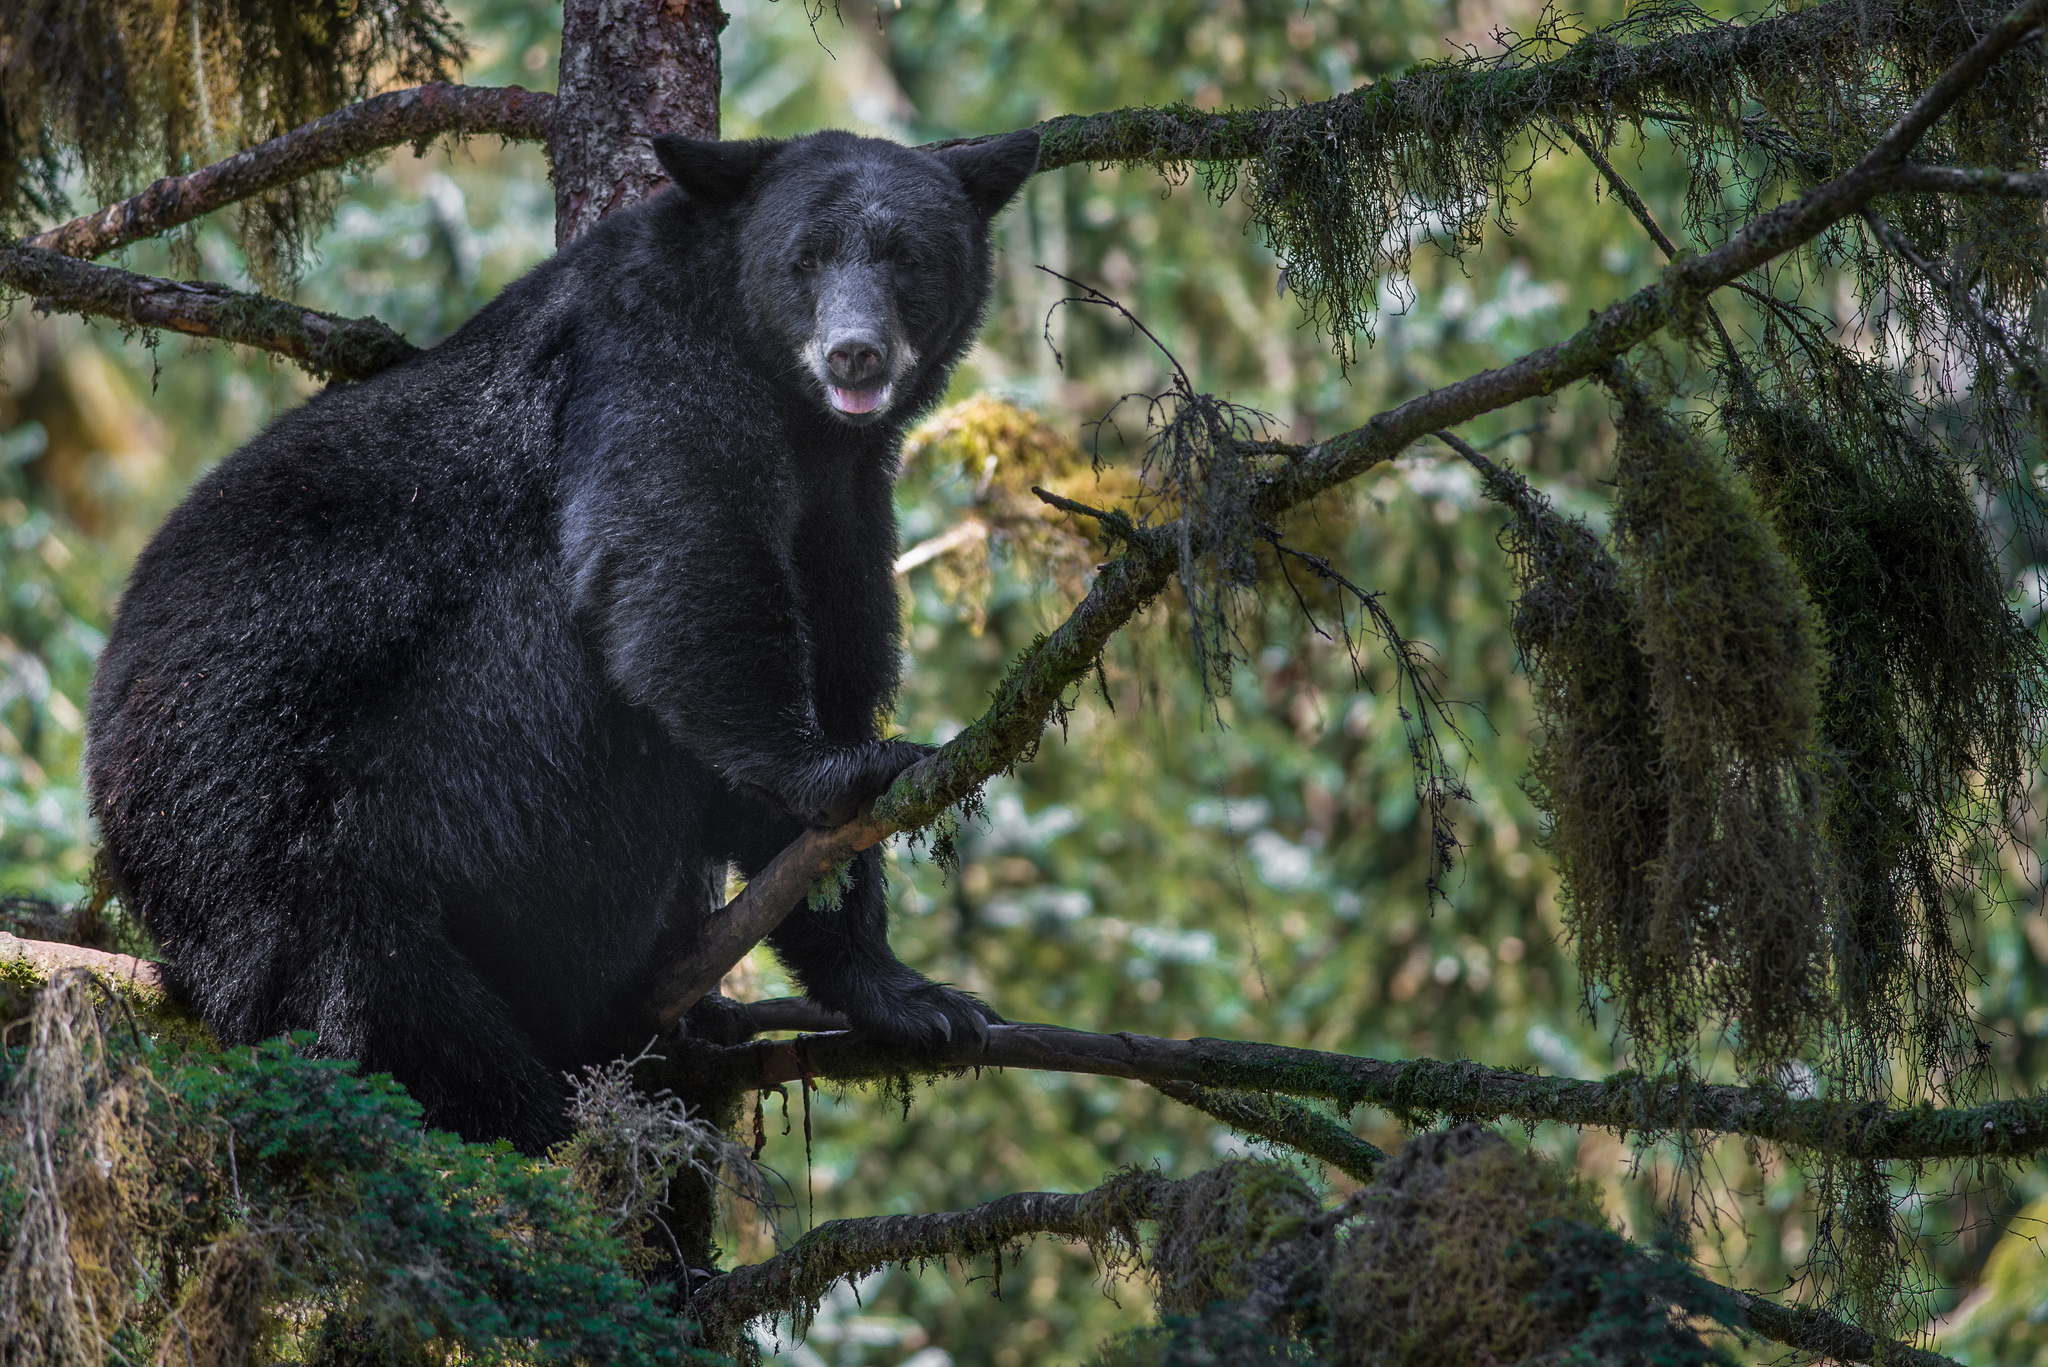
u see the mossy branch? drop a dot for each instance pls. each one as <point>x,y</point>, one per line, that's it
<point>1414,1091</point>
<point>326,346</point>
<point>794,1280</point>
<point>1281,1120</point>
<point>1029,695</point>
<point>1106,1219</point>
<point>1597,77</point>
<point>415,116</point>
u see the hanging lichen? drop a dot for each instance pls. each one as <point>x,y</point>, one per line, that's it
<point>1931,716</point>
<point>1344,189</point>
<point>1735,923</point>
<point>134,89</point>
<point>1593,768</point>
<point>1930,723</point>
<point>1675,701</point>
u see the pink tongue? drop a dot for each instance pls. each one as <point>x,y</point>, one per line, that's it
<point>855,400</point>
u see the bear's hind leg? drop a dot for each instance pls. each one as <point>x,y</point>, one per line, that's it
<point>394,993</point>
<point>842,957</point>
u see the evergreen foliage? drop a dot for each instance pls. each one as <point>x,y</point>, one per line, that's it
<point>259,1201</point>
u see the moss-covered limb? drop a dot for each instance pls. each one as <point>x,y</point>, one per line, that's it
<point>1597,76</point>
<point>415,116</point>
<point>324,345</point>
<point>29,965</point>
<point>45,958</point>
<point>1005,733</point>
<point>1674,299</point>
<point>793,1281</point>
<point>1420,1089</point>
<point>1918,178</point>
<point>1826,1337</point>
<point>1029,695</point>
<point>1283,1120</point>
<point>1216,1231</point>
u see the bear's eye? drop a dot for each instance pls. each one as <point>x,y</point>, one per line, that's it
<point>907,260</point>
<point>808,261</point>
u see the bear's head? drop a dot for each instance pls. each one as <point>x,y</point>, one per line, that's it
<point>865,263</point>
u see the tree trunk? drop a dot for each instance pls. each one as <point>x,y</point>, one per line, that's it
<point>630,69</point>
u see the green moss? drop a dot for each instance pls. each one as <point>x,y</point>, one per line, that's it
<point>1436,1269</point>
<point>256,1203</point>
<point>1216,1226</point>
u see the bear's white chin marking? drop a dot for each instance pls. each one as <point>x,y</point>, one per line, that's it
<point>858,400</point>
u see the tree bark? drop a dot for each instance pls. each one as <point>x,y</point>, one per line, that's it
<point>630,69</point>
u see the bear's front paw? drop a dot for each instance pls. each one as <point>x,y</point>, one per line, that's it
<point>718,1019</point>
<point>930,1017</point>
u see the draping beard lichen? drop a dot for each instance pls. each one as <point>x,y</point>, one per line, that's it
<point>1734,926</point>
<point>1931,717</point>
<point>1675,688</point>
<point>1344,189</point>
<point>128,90</point>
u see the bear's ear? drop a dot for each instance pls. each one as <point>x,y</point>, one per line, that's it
<point>713,172</point>
<point>993,172</point>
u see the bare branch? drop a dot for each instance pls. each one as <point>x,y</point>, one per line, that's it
<point>1623,191</point>
<point>415,116</point>
<point>1826,1337</point>
<point>338,348</point>
<point>790,1013</point>
<point>1031,692</point>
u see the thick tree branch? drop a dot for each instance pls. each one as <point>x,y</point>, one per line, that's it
<point>1414,1091</point>
<point>327,346</point>
<point>795,1280</point>
<point>415,116</point>
<point>1030,694</point>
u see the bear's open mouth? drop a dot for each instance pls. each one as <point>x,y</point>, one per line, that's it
<point>858,400</point>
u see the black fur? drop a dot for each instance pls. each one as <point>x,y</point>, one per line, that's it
<point>433,716</point>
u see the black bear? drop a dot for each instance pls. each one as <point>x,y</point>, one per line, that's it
<point>436,714</point>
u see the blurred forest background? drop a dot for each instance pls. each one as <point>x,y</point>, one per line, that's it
<point>1255,871</point>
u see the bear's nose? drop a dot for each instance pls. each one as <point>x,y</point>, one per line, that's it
<point>855,362</point>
